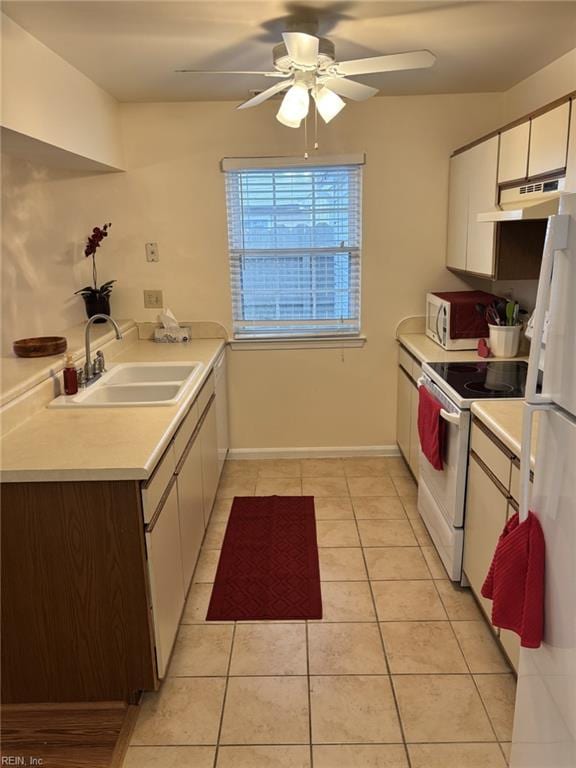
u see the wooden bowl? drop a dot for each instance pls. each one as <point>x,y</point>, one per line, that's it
<point>42,346</point>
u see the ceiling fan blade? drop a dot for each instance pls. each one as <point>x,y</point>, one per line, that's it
<point>231,72</point>
<point>267,94</point>
<point>349,88</point>
<point>302,48</point>
<point>390,63</point>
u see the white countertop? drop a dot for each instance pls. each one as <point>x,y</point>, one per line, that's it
<point>427,351</point>
<point>504,419</point>
<point>103,443</point>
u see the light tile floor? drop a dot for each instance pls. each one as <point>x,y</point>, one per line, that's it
<point>402,671</point>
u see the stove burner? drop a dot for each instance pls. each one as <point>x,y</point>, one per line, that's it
<point>479,386</point>
<point>464,368</point>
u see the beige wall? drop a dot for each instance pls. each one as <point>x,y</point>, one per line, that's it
<point>173,193</point>
<point>45,98</point>
<point>46,216</point>
<point>546,85</point>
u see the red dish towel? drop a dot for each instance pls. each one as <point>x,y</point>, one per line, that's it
<point>431,428</point>
<point>515,581</point>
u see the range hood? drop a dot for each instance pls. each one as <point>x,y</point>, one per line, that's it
<point>537,200</point>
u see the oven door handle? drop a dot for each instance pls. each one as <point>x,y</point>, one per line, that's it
<point>451,418</point>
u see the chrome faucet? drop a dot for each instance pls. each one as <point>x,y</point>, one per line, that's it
<point>94,368</point>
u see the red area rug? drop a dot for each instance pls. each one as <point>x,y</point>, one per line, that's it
<point>268,567</point>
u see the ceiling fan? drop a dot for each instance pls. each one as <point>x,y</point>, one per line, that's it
<point>306,64</point>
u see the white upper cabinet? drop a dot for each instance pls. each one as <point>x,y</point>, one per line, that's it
<point>473,190</point>
<point>549,141</point>
<point>457,236</point>
<point>513,161</point>
<point>482,195</point>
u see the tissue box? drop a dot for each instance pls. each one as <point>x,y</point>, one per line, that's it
<point>172,336</point>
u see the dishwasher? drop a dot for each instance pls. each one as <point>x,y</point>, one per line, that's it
<point>221,403</point>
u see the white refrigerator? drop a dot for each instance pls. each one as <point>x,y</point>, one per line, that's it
<point>545,715</point>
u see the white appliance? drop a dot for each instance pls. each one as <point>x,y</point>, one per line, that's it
<point>439,308</point>
<point>221,403</point>
<point>442,494</point>
<point>545,716</point>
<point>535,200</point>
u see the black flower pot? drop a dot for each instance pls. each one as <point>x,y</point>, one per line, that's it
<point>96,304</point>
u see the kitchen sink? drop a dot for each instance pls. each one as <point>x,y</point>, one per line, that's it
<point>146,373</point>
<point>135,384</point>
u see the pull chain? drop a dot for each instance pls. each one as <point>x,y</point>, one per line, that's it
<point>315,126</point>
<point>306,138</point>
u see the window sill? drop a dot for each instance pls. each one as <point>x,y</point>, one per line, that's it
<point>310,342</point>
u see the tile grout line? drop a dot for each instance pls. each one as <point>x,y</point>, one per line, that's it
<point>477,689</point>
<point>391,682</point>
<point>218,736</point>
<point>484,707</point>
<point>308,681</point>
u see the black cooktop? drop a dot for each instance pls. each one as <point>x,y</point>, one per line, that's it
<point>490,379</point>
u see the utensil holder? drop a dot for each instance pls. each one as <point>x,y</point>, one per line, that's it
<point>504,340</point>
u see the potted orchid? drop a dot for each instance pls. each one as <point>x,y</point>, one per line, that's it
<point>97,299</point>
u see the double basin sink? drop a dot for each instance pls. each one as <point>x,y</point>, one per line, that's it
<point>135,384</point>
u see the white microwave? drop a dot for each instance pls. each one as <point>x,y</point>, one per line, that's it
<point>453,321</point>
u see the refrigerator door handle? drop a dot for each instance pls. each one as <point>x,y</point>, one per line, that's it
<point>556,240</point>
<point>526,455</point>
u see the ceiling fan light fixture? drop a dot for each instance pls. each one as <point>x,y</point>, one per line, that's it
<point>295,105</point>
<point>329,104</point>
<point>289,123</point>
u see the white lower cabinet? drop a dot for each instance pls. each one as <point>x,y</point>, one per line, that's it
<point>183,490</point>
<point>166,576</point>
<point>407,436</point>
<point>404,410</point>
<point>414,454</point>
<point>210,465</point>
<point>191,509</point>
<point>491,499</point>
<point>486,508</point>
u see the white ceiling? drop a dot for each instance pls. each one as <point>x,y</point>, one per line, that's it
<point>131,48</point>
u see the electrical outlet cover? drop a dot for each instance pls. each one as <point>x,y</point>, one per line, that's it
<point>153,300</point>
<point>152,253</point>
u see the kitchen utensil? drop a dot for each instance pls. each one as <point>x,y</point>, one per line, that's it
<point>510,309</point>
<point>500,306</point>
<point>41,346</point>
<point>492,315</point>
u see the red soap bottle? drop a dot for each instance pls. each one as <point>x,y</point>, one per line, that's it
<point>70,377</point>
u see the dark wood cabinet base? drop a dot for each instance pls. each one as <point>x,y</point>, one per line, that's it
<point>75,612</point>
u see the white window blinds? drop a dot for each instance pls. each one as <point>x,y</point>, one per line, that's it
<point>294,240</point>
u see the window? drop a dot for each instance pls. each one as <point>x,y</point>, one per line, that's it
<point>294,239</point>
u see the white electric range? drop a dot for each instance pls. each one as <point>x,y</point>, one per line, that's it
<point>442,494</point>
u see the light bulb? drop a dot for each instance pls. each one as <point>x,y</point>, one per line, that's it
<point>294,105</point>
<point>286,120</point>
<point>329,103</point>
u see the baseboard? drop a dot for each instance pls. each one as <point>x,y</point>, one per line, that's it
<point>313,453</point>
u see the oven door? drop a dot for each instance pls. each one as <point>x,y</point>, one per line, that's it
<point>437,319</point>
<point>441,494</point>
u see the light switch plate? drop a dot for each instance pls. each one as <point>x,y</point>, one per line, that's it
<point>153,300</point>
<point>152,252</point>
